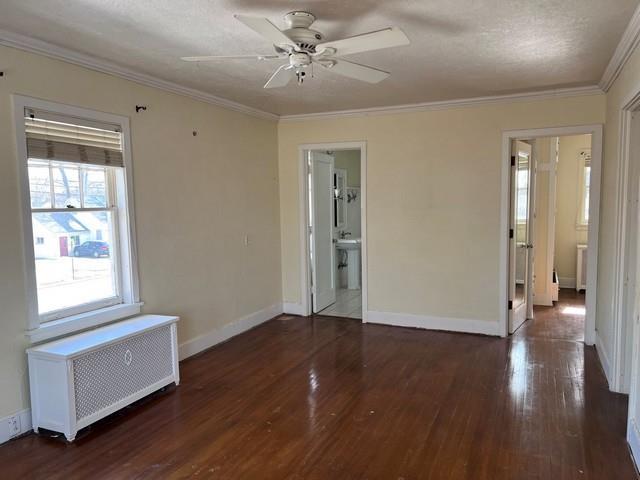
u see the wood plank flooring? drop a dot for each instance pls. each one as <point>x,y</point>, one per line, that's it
<point>330,398</point>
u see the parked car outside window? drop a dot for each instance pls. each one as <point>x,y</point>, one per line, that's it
<point>92,249</point>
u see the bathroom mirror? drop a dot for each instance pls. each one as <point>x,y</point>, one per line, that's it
<point>340,197</point>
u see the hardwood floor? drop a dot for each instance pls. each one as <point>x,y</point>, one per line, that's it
<point>329,398</point>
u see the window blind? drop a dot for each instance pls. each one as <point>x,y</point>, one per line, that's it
<point>69,141</point>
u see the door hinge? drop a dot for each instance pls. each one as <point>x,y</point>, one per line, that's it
<point>513,160</point>
<point>510,305</point>
<point>511,233</point>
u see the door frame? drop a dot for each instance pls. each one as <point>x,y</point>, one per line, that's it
<point>508,136</point>
<point>303,195</point>
<point>619,379</point>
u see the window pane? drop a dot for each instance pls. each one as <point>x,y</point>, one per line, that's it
<point>586,205</point>
<point>587,176</point>
<point>74,261</point>
<point>66,185</point>
<point>94,187</point>
<point>587,182</point>
<point>39,184</point>
<point>522,205</point>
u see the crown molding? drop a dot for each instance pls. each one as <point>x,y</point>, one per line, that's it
<point>32,45</point>
<point>624,50</point>
<point>447,104</point>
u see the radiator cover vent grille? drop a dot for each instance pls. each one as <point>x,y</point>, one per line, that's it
<point>106,376</point>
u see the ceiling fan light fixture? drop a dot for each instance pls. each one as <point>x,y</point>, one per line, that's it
<point>302,47</point>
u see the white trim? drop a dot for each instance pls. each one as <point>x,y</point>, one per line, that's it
<point>83,321</point>
<point>594,221</point>
<point>624,50</point>
<point>224,333</point>
<point>633,438</point>
<point>303,201</point>
<point>24,419</point>
<point>631,104</point>
<point>429,322</point>
<point>446,104</point>
<point>40,47</point>
<point>127,243</point>
<point>551,216</point>
<point>603,356</point>
<point>292,308</point>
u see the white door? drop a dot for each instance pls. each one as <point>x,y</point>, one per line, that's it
<point>322,236</point>
<point>521,246</point>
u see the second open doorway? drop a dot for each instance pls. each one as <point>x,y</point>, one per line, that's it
<point>552,213</point>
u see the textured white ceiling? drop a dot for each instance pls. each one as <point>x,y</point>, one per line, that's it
<point>459,48</point>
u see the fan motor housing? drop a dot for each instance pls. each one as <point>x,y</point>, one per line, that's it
<point>299,31</point>
<point>305,38</point>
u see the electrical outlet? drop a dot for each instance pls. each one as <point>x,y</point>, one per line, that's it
<point>14,425</point>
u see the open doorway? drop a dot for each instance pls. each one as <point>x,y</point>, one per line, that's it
<point>552,185</point>
<point>551,189</point>
<point>334,233</point>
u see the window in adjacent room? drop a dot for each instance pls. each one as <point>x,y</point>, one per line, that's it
<point>78,213</point>
<point>585,179</point>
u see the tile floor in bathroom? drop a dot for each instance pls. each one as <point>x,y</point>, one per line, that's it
<point>348,304</point>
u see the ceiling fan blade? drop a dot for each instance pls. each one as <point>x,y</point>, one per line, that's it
<point>357,71</point>
<point>209,58</point>
<point>387,38</point>
<point>280,78</point>
<point>268,30</point>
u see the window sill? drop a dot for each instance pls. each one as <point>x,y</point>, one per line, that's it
<point>82,321</point>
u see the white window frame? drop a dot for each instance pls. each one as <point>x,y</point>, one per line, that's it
<point>582,223</point>
<point>41,327</point>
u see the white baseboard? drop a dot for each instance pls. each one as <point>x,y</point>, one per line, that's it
<point>567,282</point>
<point>219,335</point>
<point>24,420</point>
<point>633,438</point>
<point>603,356</point>
<point>434,323</point>
<point>292,308</point>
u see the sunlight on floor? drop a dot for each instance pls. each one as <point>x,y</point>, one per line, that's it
<point>573,311</point>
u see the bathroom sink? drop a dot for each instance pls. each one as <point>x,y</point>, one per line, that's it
<point>348,243</point>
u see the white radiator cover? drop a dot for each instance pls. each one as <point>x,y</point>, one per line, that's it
<point>83,378</point>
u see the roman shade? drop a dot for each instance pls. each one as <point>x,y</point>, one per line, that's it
<point>72,140</point>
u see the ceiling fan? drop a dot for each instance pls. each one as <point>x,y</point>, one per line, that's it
<point>303,48</point>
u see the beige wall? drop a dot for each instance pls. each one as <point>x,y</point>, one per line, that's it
<point>433,185</point>
<point>567,234</point>
<point>349,160</point>
<point>195,199</point>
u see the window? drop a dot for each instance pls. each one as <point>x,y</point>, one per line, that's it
<point>79,216</point>
<point>73,204</point>
<point>522,189</point>
<point>585,181</point>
